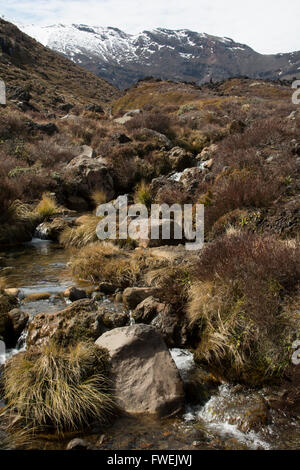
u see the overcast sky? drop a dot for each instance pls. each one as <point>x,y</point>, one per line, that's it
<point>268,26</point>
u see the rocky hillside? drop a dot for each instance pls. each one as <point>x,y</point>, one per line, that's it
<point>34,73</point>
<point>181,55</point>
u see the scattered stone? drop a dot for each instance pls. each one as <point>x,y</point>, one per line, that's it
<point>66,107</point>
<point>71,117</point>
<point>92,174</point>
<point>18,93</point>
<point>82,320</point>
<point>7,303</point>
<point>107,288</point>
<point>147,310</point>
<point>73,294</point>
<point>95,108</point>
<point>84,151</point>
<point>121,138</point>
<point>12,291</point>
<point>133,112</point>
<point>162,226</point>
<point>19,320</point>
<point>159,139</point>
<point>181,159</point>
<point>207,152</point>
<point>137,354</point>
<point>51,230</point>
<point>78,444</point>
<point>112,319</point>
<point>122,120</point>
<point>132,296</point>
<point>49,129</point>
<point>170,326</point>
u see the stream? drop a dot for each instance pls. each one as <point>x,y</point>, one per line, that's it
<point>41,266</point>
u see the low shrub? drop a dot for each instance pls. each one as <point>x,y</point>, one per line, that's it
<point>242,296</point>
<point>156,121</point>
<point>240,189</point>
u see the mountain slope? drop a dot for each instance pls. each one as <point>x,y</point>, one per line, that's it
<point>182,55</point>
<point>46,76</point>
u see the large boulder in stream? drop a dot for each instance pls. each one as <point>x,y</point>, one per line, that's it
<point>92,174</point>
<point>138,355</point>
<point>83,320</point>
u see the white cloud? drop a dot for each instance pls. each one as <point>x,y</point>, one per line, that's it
<point>268,26</point>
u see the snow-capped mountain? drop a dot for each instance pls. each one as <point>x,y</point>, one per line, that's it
<point>122,58</point>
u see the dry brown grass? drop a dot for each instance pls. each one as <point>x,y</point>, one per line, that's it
<point>106,262</point>
<point>81,235</point>
<point>57,389</point>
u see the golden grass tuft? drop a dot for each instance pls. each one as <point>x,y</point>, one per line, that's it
<point>46,207</point>
<point>106,262</point>
<point>81,235</point>
<point>142,194</point>
<point>57,389</point>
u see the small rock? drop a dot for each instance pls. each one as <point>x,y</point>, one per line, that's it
<point>78,444</point>
<point>73,294</point>
<point>95,108</point>
<point>107,288</point>
<point>19,320</point>
<point>132,296</point>
<point>66,107</point>
<point>147,310</point>
<point>13,291</point>
<point>121,138</point>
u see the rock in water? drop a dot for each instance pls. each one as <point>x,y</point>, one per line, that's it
<point>132,296</point>
<point>138,356</point>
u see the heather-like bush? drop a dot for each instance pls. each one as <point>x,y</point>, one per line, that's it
<point>240,189</point>
<point>242,300</point>
<point>156,121</point>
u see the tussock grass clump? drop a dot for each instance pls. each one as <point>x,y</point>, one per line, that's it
<point>105,262</point>
<point>81,235</point>
<point>244,286</point>
<point>57,389</point>
<point>46,207</point>
<point>143,194</point>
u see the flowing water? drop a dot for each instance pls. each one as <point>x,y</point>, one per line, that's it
<point>41,266</point>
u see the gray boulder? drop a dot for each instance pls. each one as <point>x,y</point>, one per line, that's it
<point>92,174</point>
<point>138,354</point>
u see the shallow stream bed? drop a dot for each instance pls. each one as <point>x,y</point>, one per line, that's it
<point>41,266</point>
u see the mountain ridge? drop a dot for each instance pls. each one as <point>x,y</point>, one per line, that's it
<point>180,55</point>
